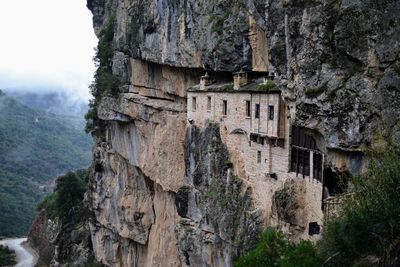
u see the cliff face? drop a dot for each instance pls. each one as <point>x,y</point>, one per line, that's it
<point>41,237</point>
<point>60,244</point>
<point>164,193</point>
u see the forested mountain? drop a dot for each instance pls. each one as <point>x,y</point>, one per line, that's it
<point>35,147</point>
<point>56,101</point>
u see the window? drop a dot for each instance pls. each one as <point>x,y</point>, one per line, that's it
<point>300,138</point>
<point>271,113</point>
<point>258,156</point>
<point>248,109</point>
<point>256,138</point>
<point>317,166</point>
<point>208,103</point>
<point>194,104</point>
<point>306,163</point>
<point>293,160</point>
<point>303,144</point>
<point>257,111</point>
<point>300,161</point>
<point>224,107</point>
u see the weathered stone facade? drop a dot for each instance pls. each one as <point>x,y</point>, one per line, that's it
<point>255,126</point>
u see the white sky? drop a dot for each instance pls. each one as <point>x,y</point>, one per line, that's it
<point>46,44</point>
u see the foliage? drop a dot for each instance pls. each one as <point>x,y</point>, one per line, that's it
<point>105,82</point>
<point>35,147</point>
<point>315,92</point>
<point>218,22</point>
<point>285,201</point>
<point>284,3</point>
<point>66,207</point>
<point>269,86</point>
<point>66,202</point>
<point>275,249</point>
<point>228,163</point>
<point>227,87</point>
<point>7,256</point>
<point>370,221</point>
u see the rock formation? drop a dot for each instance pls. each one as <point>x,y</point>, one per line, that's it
<point>165,194</point>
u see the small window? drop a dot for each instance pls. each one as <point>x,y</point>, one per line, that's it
<point>248,109</point>
<point>224,107</point>
<point>257,111</point>
<point>208,103</point>
<point>314,228</point>
<point>257,139</point>
<point>271,113</point>
<point>258,156</point>
<point>194,104</point>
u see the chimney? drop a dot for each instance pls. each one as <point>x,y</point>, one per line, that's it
<point>270,77</point>
<point>205,81</point>
<point>239,79</point>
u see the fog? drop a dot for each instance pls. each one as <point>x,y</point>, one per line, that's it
<point>46,45</point>
<point>53,100</point>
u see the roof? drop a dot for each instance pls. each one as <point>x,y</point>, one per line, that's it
<point>252,87</point>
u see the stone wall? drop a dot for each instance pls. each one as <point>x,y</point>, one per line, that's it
<point>236,116</point>
<point>274,159</point>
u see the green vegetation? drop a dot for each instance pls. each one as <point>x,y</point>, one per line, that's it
<point>35,147</point>
<point>366,232</point>
<point>105,83</point>
<point>66,202</point>
<point>315,92</point>
<point>7,256</point>
<point>270,86</point>
<point>218,23</point>
<point>284,3</point>
<point>227,88</point>
<point>66,206</point>
<point>370,221</point>
<point>228,163</point>
<point>275,249</point>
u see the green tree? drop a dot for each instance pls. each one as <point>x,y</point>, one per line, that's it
<point>275,249</point>
<point>105,82</point>
<point>66,202</point>
<point>7,256</point>
<point>370,221</point>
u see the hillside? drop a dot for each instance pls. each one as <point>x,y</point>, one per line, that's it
<point>55,101</point>
<point>35,147</point>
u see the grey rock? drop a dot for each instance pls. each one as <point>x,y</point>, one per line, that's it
<point>336,62</point>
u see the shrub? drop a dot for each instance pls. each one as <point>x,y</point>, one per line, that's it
<point>227,87</point>
<point>269,86</point>
<point>218,23</point>
<point>105,82</point>
<point>7,256</point>
<point>228,164</point>
<point>67,200</point>
<point>370,221</point>
<point>314,92</point>
<point>275,249</point>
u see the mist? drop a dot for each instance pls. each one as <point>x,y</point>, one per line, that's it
<point>52,100</point>
<point>47,46</point>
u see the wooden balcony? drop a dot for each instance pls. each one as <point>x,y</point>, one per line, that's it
<point>333,205</point>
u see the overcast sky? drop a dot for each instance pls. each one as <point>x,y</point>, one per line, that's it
<point>46,44</point>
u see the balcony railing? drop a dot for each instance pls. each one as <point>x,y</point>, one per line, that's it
<point>333,205</point>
